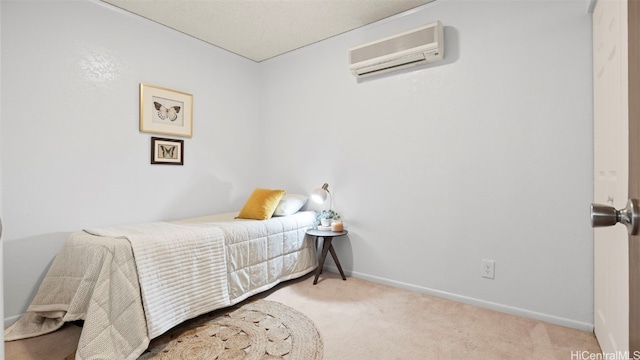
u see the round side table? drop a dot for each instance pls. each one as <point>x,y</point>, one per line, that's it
<point>326,248</point>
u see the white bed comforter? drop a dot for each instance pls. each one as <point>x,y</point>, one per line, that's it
<point>182,270</point>
<point>220,262</point>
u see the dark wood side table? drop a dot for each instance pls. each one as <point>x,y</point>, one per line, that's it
<point>327,247</point>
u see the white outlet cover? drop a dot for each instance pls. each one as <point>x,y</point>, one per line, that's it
<point>488,269</point>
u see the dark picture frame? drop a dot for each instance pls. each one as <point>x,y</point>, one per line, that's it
<point>167,151</point>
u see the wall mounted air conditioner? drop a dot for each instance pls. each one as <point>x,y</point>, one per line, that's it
<point>422,45</point>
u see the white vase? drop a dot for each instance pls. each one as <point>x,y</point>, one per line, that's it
<point>325,222</point>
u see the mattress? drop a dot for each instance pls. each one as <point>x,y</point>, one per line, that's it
<point>98,279</point>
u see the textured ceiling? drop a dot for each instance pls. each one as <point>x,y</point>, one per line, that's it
<point>262,29</point>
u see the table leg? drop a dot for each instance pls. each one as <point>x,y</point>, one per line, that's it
<point>335,259</point>
<point>326,245</point>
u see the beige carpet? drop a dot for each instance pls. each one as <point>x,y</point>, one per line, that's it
<point>359,319</point>
<point>364,320</point>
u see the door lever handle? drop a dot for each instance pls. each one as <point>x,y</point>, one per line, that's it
<point>605,215</point>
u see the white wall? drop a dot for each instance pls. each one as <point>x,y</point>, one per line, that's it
<point>486,155</point>
<point>72,155</point>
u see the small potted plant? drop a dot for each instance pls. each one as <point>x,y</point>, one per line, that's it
<point>325,217</point>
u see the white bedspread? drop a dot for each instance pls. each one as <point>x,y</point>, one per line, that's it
<point>261,254</point>
<point>92,278</point>
<point>95,278</point>
<point>182,270</point>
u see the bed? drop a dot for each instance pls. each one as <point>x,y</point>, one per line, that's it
<point>131,284</point>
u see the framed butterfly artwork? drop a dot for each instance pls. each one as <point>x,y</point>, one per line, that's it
<point>165,111</point>
<point>167,151</point>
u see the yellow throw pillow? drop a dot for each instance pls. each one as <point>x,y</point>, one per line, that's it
<point>261,204</point>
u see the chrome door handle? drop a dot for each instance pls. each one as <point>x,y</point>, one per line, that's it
<point>605,215</point>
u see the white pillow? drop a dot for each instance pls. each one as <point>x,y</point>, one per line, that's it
<point>290,204</point>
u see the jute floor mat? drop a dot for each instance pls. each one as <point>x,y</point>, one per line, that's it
<point>258,330</point>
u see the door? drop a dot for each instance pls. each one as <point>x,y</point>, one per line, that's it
<point>611,132</point>
<point>616,33</point>
<point>634,171</point>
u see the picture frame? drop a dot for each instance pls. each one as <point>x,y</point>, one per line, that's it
<point>167,151</point>
<point>165,111</point>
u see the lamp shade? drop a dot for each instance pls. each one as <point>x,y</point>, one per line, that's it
<point>320,195</point>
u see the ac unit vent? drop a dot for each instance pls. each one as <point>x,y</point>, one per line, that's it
<point>422,45</point>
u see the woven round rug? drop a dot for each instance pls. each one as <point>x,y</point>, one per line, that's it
<point>258,330</point>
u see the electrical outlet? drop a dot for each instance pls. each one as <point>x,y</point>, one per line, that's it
<point>488,269</point>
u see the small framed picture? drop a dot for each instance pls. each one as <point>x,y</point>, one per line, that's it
<point>167,151</point>
<point>165,111</point>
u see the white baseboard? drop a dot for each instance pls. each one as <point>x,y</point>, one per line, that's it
<point>471,301</point>
<point>446,295</point>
